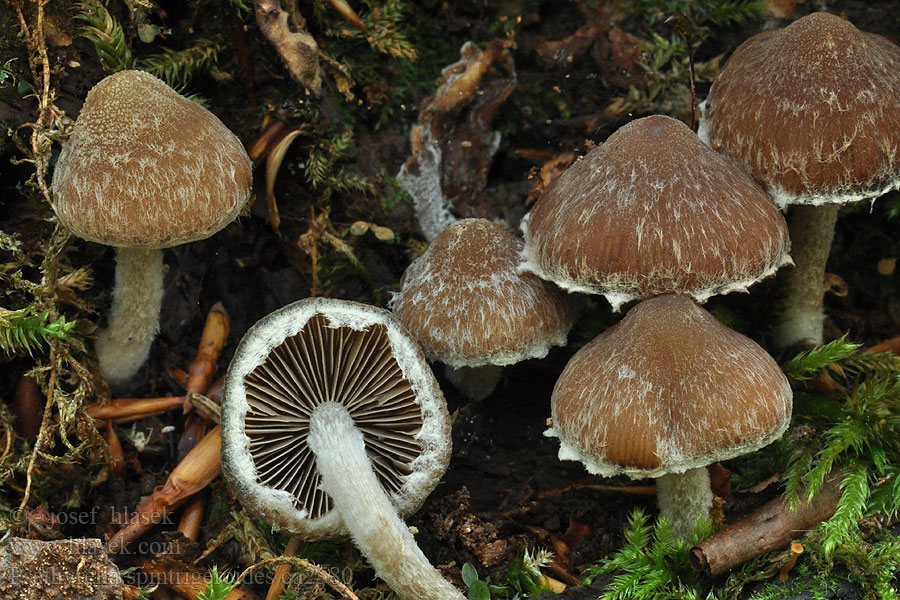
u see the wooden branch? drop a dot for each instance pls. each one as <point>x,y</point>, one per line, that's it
<point>770,527</point>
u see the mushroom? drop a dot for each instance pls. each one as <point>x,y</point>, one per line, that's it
<point>654,211</point>
<point>817,135</point>
<point>469,307</point>
<point>332,423</point>
<point>145,169</point>
<point>663,393</point>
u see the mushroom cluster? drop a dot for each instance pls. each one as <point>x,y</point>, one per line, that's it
<point>333,424</point>
<point>145,169</point>
<point>654,214</point>
<point>815,137</point>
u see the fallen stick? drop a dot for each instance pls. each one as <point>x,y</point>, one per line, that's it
<point>770,527</point>
<point>123,410</point>
<point>641,490</point>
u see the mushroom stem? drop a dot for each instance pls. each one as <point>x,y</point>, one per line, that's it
<point>475,383</point>
<point>812,230</point>
<point>370,517</point>
<point>683,498</point>
<point>123,347</point>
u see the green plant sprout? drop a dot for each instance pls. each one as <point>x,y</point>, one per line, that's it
<point>666,59</point>
<point>522,579</point>
<point>175,67</point>
<point>218,587</point>
<point>653,564</point>
<point>854,434</point>
<point>6,72</point>
<point>23,330</point>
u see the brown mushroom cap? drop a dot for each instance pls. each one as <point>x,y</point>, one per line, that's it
<point>146,167</point>
<point>667,389</point>
<point>812,111</point>
<point>468,306</point>
<point>653,211</point>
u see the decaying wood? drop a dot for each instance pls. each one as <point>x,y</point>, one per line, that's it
<point>115,450</point>
<point>768,528</point>
<point>453,143</point>
<point>57,570</point>
<point>298,49</point>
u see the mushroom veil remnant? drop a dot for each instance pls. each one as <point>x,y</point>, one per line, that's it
<point>654,211</point>
<point>812,111</point>
<point>145,169</point>
<point>469,307</point>
<point>333,424</point>
<point>664,393</point>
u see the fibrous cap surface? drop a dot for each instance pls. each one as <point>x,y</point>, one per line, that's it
<point>812,111</point>
<point>653,211</point>
<point>318,351</point>
<point>468,306</point>
<point>146,167</point>
<point>667,389</point>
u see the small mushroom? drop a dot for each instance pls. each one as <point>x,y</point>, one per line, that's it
<point>812,111</point>
<point>654,211</point>
<point>332,423</point>
<point>145,169</point>
<point>469,307</point>
<point>663,393</point>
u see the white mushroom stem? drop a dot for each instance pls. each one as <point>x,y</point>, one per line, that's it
<point>370,517</point>
<point>683,498</point>
<point>134,319</point>
<point>475,383</point>
<point>812,230</point>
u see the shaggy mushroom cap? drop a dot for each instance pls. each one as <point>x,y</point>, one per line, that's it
<point>318,352</point>
<point>665,390</point>
<point>812,111</point>
<point>468,306</point>
<point>653,211</point>
<point>146,167</point>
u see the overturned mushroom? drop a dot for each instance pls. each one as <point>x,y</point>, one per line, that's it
<point>332,423</point>
<point>469,307</point>
<point>145,169</point>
